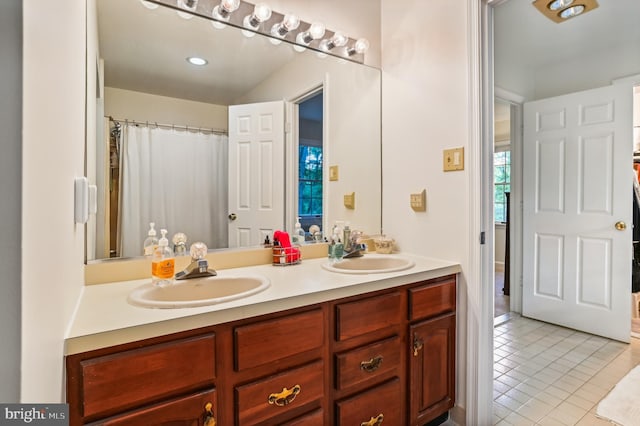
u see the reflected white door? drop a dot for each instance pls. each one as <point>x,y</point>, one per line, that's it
<point>577,186</point>
<point>256,172</point>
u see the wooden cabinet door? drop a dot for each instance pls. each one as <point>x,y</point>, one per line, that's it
<point>187,411</point>
<point>431,368</point>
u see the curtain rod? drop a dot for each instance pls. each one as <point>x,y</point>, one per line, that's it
<point>170,126</point>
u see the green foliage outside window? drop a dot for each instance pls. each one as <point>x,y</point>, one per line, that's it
<point>309,180</point>
<point>502,183</point>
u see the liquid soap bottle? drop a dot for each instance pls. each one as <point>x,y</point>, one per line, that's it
<point>298,236</point>
<point>163,264</point>
<point>151,242</point>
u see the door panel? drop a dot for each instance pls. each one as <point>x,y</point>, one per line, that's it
<point>256,172</point>
<point>577,185</point>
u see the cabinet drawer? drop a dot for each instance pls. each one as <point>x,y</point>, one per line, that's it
<point>134,377</point>
<point>432,299</point>
<point>186,411</point>
<point>384,400</point>
<point>272,340</point>
<point>364,316</point>
<point>368,362</point>
<point>315,418</point>
<point>279,394</point>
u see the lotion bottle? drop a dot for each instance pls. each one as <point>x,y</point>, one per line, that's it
<point>163,263</point>
<point>151,242</point>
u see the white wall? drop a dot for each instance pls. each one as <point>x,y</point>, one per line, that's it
<point>130,105</point>
<point>425,110</point>
<point>597,69</point>
<point>10,212</point>
<point>53,154</point>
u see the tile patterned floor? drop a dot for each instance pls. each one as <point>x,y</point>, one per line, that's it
<point>549,375</point>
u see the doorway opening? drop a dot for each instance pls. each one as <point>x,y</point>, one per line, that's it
<point>502,188</point>
<point>310,161</point>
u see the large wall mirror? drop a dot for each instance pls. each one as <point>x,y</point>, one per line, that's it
<point>249,136</point>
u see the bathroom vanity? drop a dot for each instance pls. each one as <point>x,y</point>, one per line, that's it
<point>318,348</point>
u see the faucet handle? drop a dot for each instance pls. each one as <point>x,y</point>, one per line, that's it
<point>198,250</point>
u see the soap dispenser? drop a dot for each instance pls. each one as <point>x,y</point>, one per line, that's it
<point>151,242</point>
<point>163,263</point>
<point>298,236</point>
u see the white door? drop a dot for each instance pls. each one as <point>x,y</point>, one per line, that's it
<point>256,172</point>
<point>577,185</point>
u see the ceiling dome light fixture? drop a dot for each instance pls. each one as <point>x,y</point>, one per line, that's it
<point>261,13</point>
<point>223,11</point>
<point>195,60</point>
<point>561,10</point>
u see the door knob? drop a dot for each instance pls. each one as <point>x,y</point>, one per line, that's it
<point>621,226</point>
<point>233,216</point>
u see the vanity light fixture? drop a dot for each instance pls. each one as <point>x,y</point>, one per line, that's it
<point>315,32</point>
<point>195,60</point>
<point>338,40</point>
<point>562,10</point>
<point>261,13</point>
<point>360,46</point>
<point>289,23</point>
<point>189,5</point>
<point>223,11</point>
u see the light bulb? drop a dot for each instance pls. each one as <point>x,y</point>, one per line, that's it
<point>261,13</point>
<point>559,4</point>
<point>360,46</point>
<point>572,11</point>
<point>189,5</point>
<point>281,29</point>
<point>223,11</point>
<point>316,30</point>
<point>149,5</point>
<point>338,40</point>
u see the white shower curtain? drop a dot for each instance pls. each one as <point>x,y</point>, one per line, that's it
<point>177,179</point>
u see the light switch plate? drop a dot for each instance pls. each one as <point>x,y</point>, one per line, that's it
<point>350,201</point>
<point>453,159</point>
<point>333,173</point>
<point>419,201</point>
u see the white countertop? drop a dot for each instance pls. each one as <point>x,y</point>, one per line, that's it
<point>104,317</point>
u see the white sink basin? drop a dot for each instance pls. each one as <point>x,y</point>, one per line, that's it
<point>370,264</point>
<point>198,291</point>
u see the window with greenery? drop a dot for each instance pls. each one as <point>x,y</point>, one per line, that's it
<point>309,180</point>
<point>502,184</point>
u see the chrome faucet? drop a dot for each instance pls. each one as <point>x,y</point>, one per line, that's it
<point>351,246</point>
<point>199,266</point>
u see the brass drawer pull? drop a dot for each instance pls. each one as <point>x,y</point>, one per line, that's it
<point>372,365</point>
<point>208,418</point>
<point>375,421</point>
<point>417,345</point>
<point>285,397</point>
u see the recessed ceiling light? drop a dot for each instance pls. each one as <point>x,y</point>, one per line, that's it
<point>561,10</point>
<point>194,60</point>
<point>572,11</point>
